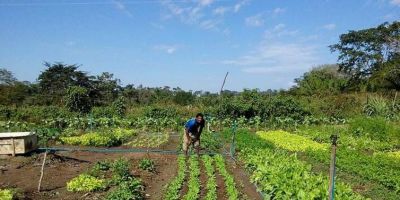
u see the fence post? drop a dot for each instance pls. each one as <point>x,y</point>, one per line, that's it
<point>234,126</point>
<point>332,169</point>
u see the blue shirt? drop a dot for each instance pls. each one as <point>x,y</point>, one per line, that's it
<point>193,126</point>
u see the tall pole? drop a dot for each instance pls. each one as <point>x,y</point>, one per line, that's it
<point>332,169</point>
<point>223,83</point>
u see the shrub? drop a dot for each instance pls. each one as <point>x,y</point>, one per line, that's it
<point>374,127</point>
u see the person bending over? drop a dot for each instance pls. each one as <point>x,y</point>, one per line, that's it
<point>193,129</point>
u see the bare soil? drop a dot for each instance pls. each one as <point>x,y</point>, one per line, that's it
<point>23,172</point>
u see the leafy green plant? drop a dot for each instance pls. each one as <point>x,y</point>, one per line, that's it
<point>130,189</point>
<point>120,170</point>
<point>292,142</point>
<point>86,183</point>
<point>230,184</point>
<point>211,185</point>
<point>173,188</point>
<point>194,181</point>
<point>6,194</point>
<point>147,164</point>
<point>280,175</point>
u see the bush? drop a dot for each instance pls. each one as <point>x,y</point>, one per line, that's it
<point>374,127</point>
<point>86,183</point>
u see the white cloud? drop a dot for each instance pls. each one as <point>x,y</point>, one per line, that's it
<point>278,11</point>
<point>279,30</point>
<point>221,10</point>
<point>395,2</point>
<point>121,7</point>
<point>205,2</point>
<point>279,27</point>
<point>209,24</point>
<point>329,27</point>
<point>170,49</point>
<point>277,58</point>
<point>256,20</point>
<point>200,13</point>
<point>239,5</point>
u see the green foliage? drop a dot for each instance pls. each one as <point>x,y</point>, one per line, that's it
<point>130,189</point>
<point>376,106</point>
<point>58,77</point>
<point>291,142</point>
<point>364,53</point>
<point>77,99</point>
<point>86,183</point>
<point>322,80</point>
<point>119,106</point>
<point>173,188</point>
<point>211,185</point>
<point>210,142</point>
<point>6,194</point>
<point>280,175</point>
<point>6,77</point>
<point>120,170</point>
<point>194,181</point>
<point>230,185</point>
<point>160,112</point>
<point>377,128</point>
<point>147,164</point>
<point>149,140</point>
<point>111,137</point>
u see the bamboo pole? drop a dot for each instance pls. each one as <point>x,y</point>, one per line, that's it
<point>42,171</point>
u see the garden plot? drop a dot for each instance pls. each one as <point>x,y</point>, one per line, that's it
<point>207,178</point>
<point>148,140</point>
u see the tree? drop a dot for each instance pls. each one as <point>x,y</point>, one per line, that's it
<point>324,79</point>
<point>58,77</point>
<point>6,77</point>
<point>363,53</point>
<point>106,88</point>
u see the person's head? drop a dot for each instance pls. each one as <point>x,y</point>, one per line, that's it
<point>199,118</point>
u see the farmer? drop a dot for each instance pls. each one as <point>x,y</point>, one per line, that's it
<point>193,129</point>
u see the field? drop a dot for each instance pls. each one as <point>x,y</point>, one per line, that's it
<point>127,163</point>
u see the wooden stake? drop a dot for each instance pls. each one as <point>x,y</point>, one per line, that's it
<point>42,171</point>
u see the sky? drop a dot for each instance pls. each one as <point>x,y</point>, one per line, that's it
<point>190,44</point>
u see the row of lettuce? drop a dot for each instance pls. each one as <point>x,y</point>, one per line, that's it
<point>278,172</point>
<point>174,190</point>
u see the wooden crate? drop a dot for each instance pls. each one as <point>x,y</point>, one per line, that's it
<point>17,142</point>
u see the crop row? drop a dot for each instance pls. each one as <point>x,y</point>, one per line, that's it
<point>230,184</point>
<point>211,181</point>
<point>149,140</point>
<point>107,138</point>
<point>384,169</point>
<point>173,188</point>
<point>194,181</point>
<point>291,142</point>
<point>280,175</point>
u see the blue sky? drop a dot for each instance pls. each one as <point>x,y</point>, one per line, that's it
<point>187,43</point>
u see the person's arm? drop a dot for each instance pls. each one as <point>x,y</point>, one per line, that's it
<point>201,127</point>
